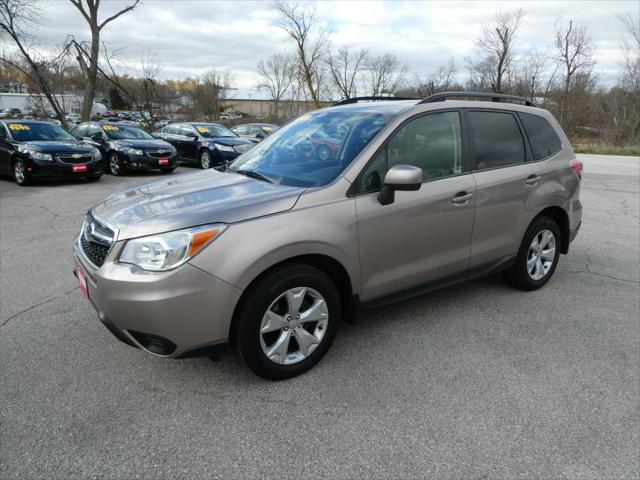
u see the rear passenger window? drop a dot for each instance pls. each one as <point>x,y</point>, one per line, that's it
<point>497,139</point>
<point>542,137</point>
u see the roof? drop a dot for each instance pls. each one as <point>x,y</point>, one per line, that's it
<point>381,106</point>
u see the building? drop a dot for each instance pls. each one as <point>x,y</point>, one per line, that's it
<point>27,102</point>
<point>9,86</point>
<point>258,103</point>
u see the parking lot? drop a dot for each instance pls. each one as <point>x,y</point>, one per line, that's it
<point>476,381</point>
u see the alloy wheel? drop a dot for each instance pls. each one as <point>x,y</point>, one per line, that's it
<point>18,172</point>
<point>205,159</point>
<point>294,325</point>
<point>541,254</point>
<point>114,164</point>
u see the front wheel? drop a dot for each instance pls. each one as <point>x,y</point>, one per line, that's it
<point>287,322</point>
<point>20,173</point>
<point>538,255</point>
<point>205,159</point>
<point>115,167</point>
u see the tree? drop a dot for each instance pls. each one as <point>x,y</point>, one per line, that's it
<point>496,50</point>
<point>528,81</point>
<point>209,92</point>
<point>346,67</point>
<point>442,80</point>
<point>573,52</point>
<point>117,102</point>
<point>90,14</point>
<point>15,17</point>
<point>385,74</point>
<point>276,74</point>
<point>311,47</point>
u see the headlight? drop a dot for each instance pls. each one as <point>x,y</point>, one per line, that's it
<point>127,150</point>
<point>167,251</point>
<point>35,153</point>
<point>223,148</point>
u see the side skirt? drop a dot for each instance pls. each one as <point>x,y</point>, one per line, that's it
<point>478,272</point>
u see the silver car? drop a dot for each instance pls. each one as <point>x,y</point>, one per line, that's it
<point>272,253</point>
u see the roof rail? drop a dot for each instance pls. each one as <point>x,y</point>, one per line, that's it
<point>348,101</point>
<point>494,97</point>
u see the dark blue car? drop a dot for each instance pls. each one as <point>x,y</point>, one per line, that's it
<point>205,144</point>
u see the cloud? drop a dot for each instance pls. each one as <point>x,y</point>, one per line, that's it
<point>191,37</point>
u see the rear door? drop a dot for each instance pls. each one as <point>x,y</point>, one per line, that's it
<point>424,235</point>
<point>507,181</point>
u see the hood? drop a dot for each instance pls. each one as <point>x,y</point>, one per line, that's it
<point>229,140</point>
<point>142,143</point>
<point>192,199</point>
<point>60,147</point>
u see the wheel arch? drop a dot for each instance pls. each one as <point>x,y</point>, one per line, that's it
<point>333,268</point>
<point>560,216</point>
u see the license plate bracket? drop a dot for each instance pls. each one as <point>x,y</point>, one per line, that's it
<point>163,161</point>
<point>79,168</point>
<point>82,281</point>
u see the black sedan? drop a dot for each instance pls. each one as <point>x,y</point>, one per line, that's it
<point>31,149</point>
<point>127,147</point>
<point>206,144</point>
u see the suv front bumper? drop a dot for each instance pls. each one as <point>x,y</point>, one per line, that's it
<point>178,313</point>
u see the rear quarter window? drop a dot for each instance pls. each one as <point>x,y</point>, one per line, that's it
<point>542,137</point>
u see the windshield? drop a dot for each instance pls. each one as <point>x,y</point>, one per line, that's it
<point>268,129</point>
<point>121,132</point>
<point>210,130</point>
<point>314,149</point>
<point>33,132</point>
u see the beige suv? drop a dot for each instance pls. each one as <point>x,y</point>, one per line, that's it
<point>347,207</point>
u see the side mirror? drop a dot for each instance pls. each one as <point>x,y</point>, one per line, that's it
<point>399,177</point>
<point>192,135</point>
<point>96,137</point>
<point>260,135</point>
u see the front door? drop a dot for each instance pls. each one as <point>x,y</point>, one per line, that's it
<point>423,235</point>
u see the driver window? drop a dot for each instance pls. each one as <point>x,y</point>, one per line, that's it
<point>432,142</point>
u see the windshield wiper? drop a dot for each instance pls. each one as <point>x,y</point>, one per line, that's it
<point>253,174</point>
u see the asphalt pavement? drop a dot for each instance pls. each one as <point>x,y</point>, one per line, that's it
<point>476,381</point>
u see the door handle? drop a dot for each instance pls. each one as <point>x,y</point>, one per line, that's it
<point>461,198</point>
<point>532,179</point>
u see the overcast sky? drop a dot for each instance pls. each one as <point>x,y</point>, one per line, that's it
<point>190,37</point>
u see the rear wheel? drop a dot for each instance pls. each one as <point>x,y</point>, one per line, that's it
<point>538,255</point>
<point>20,173</point>
<point>205,159</point>
<point>287,322</point>
<point>115,166</point>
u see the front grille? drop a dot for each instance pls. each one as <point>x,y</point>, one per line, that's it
<point>95,252</point>
<point>159,153</point>
<point>96,240</point>
<point>75,158</point>
<point>243,147</point>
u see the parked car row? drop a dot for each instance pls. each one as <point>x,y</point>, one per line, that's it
<point>31,149</point>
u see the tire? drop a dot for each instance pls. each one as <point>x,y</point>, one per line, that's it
<point>20,173</point>
<point>278,292</point>
<point>167,170</point>
<point>538,255</point>
<point>324,153</point>
<point>114,165</point>
<point>206,159</point>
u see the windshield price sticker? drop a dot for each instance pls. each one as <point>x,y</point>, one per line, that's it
<point>110,128</point>
<point>203,130</point>
<point>18,126</point>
